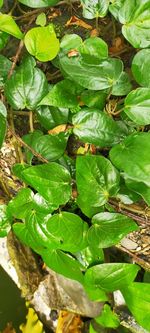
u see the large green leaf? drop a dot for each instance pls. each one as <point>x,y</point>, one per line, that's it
<point>5,66</point>
<point>7,24</point>
<point>109,228</point>
<point>27,86</point>
<point>42,43</point>
<point>137,106</point>
<point>97,180</point>
<point>111,277</point>
<point>5,221</point>
<point>137,297</point>
<point>3,114</point>
<point>139,187</point>
<point>94,8</point>
<point>63,263</point>
<point>50,117</point>
<point>132,157</point>
<point>39,3</point>
<point>92,74</point>
<point>62,95</point>
<point>68,231</point>
<point>97,127</point>
<point>51,180</point>
<point>140,64</point>
<point>108,318</point>
<point>135,17</point>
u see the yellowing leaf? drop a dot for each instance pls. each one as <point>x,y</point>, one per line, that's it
<point>69,323</point>
<point>33,324</point>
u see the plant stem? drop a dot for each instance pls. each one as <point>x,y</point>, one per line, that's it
<point>31,121</point>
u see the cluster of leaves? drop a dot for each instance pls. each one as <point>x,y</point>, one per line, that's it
<point>71,233</point>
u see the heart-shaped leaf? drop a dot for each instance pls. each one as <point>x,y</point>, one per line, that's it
<point>7,24</point>
<point>137,106</point>
<point>94,8</point>
<point>140,64</point>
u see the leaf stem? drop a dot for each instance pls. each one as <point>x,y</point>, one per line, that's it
<point>31,122</point>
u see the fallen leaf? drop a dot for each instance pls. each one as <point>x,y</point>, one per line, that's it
<point>69,323</point>
<point>58,129</point>
<point>118,45</point>
<point>94,33</point>
<point>76,21</point>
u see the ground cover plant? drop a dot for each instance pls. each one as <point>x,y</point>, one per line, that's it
<point>82,150</point>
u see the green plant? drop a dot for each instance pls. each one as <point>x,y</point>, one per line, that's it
<point>64,212</point>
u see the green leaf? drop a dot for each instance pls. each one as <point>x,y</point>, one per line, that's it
<point>94,8</point>
<point>49,146</point>
<point>108,318</point>
<point>97,180</point>
<point>135,17</point>
<point>1,3</point>
<point>70,42</point>
<point>137,297</point>
<point>138,187</point>
<point>109,228</point>
<point>39,3</point>
<point>41,19</point>
<point>96,294</point>
<point>7,24</point>
<point>62,95</point>
<point>132,157</point>
<point>111,277</point>
<point>52,181</point>
<point>90,256</point>
<point>50,117</point>
<point>42,43</point>
<point>4,37</point>
<point>92,74</point>
<point>95,47</point>
<point>25,237</point>
<point>140,64</point>
<point>115,6</point>
<point>137,106</point>
<point>68,231</point>
<point>97,128</point>
<point>3,114</point>
<point>62,263</point>
<point>122,86</point>
<point>27,86</point>
<point>5,66</point>
<point>94,99</point>
<point>5,221</point>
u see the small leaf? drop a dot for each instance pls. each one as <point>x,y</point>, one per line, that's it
<point>111,277</point>
<point>97,180</point>
<point>62,263</point>
<point>137,106</point>
<point>39,3</point>
<point>109,228</point>
<point>140,63</point>
<point>137,297</point>
<point>94,8</point>
<point>52,181</point>
<point>7,24</point>
<point>42,43</point>
<point>115,6</point>
<point>27,86</point>
<point>108,318</point>
<point>41,20</point>
<point>95,47</point>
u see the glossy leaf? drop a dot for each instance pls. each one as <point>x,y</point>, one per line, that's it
<point>97,180</point>
<point>94,8</point>
<point>63,264</point>
<point>95,47</point>
<point>97,127</point>
<point>4,37</point>
<point>109,228</point>
<point>140,64</point>
<point>7,24</point>
<point>115,6</point>
<point>108,318</point>
<point>90,256</point>
<point>111,276</point>
<point>122,86</point>
<point>3,114</point>
<point>132,157</point>
<point>62,95</point>
<point>137,106</point>
<point>42,43</point>
<point>50,117</point>
<point>70,42</point>
<point>69,231</point>
<point>139,187</point>
<point>52,181</point>
<point>25,237</point>
<point>27,86</point>
<point>5,66</point>
<point>39,3</point>
<point>5,221</point>
<point>137,297</point>
<point>94,99</point>
<point>93,75</point>
<point>135,17</point>
<point>31,140</point>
